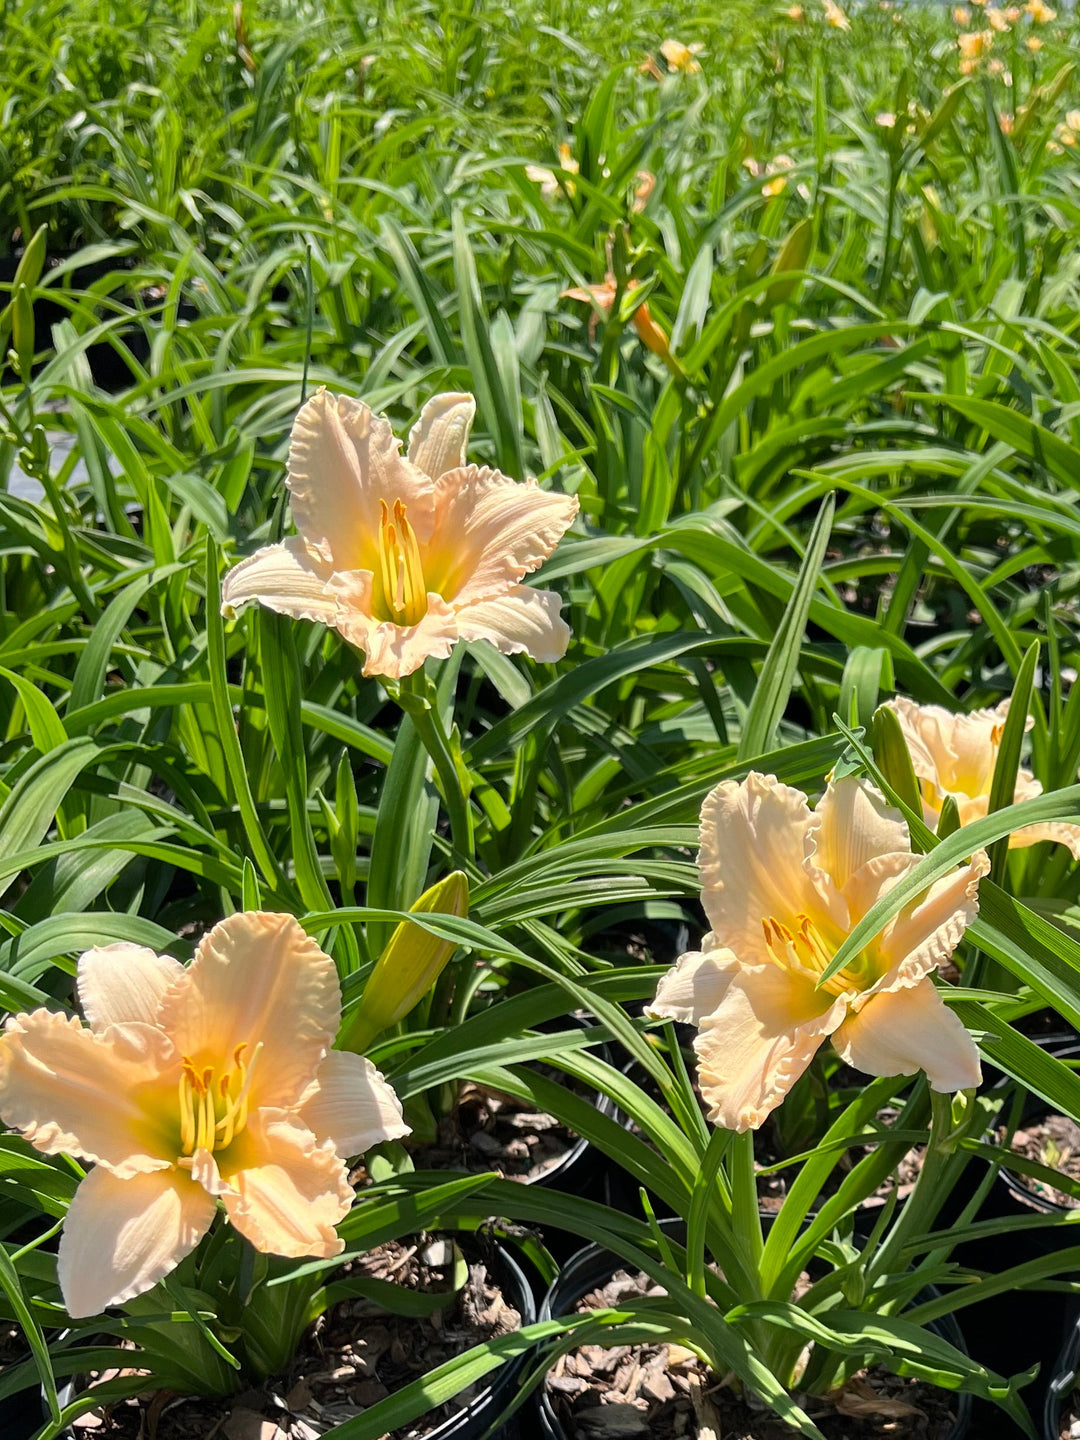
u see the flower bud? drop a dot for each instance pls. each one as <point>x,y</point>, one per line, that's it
<point>408,967</point>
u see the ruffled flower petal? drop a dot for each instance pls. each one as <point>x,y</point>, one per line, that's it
<point>351,1106</point>
<point>123,982</point>
<point>440,438</point>
<point>257,980</point>
<point>122,1236</point>
<point>694,987</point>
<point>390,650</point>
<point>902,1031</point>
<point>756,863</point>
<point>289,578</point>
<point>929,928</point>
<point>343,461</point>
<point>284,1191</point>
<point>521,620</point>
<point>853,823</point>
<point>757,1043</point>
<point>96,1096</point>
<point>490,532</point>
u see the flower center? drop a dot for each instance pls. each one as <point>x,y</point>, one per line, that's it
<point>401,595</point>
<point>214,1111</point>
<point>804,948</point>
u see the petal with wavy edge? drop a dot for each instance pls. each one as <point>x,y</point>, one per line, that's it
<point>929,928</point>
<point>853,823</point>
<point>122,1236</point>
<point>756,862</point>
<point>283,1190</point>
<point>391,650</point>
<point>902,1031</point>
<point>96,1096</point>
<point>954,752</point>
<point>342,461</point>
<point>490,532</point>
<point>289,578</point>
<point>523,619</point>
<point>440,438</point>
<point>1057,832</point>
<point>757,1043</point>
<point>257,979</point>
<point>350,1105</point>
<point>123,982</point>
<point>694,987</point>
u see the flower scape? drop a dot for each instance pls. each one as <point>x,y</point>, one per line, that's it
<point>539,637</point>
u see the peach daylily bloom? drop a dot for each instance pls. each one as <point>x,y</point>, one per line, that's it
<point>1040,12</point>
<point>678,56</point>
<point>1033,42</point>
<point>961,15</point>
<point>782,889</point>
<point>955,755</point>
<point>190,1086</point>
<point>405,556</point>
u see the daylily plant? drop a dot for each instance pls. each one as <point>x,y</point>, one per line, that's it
<point>194,1087</point>
<point>407,555</point>
<point>954,756</point>
<point>782,889</point>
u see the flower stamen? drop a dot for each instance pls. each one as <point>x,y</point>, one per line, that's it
<point>401,572</point>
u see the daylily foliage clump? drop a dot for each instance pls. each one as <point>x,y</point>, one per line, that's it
<point>538,643</point>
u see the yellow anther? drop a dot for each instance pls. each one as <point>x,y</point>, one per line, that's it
<point>213,1111</point>
<point>403,596</point>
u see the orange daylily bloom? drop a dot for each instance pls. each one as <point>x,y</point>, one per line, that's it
<point>782,889</point>
<point>192,1086</point>
<point>405,556</point>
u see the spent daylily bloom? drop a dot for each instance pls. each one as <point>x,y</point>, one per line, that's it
<point>782,889</point>
<point>602,297</point>
<point>678,56</point>
<point>407,555</point>
<point>190,1087</point>
<point>954,757</point>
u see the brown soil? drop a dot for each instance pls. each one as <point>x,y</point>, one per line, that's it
<point>353,1357</point>
<point>664,1392</point>
<point>772,1189</point>
<point>1054,1141</point>
<point>489,1131</point>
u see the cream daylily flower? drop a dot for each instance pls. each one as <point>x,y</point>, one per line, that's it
<point>955,755</point>
<point>835,15</point>
<point>190,1086</point>
<point>407,555</point>
<point>782,889</point>
<point>551,184</point>
<point>678,56</point>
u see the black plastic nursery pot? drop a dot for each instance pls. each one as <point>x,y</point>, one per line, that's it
<point>1062,1386</point>
<point>472,1422</point>
<point>593,1266</point>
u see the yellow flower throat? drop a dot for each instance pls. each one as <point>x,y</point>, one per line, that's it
<point>401,594</point>
<point>805,949</point>
<point>212,1111</point>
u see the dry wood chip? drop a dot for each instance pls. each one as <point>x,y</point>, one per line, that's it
<point>245,1424</point>
<point>860,1398</point>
